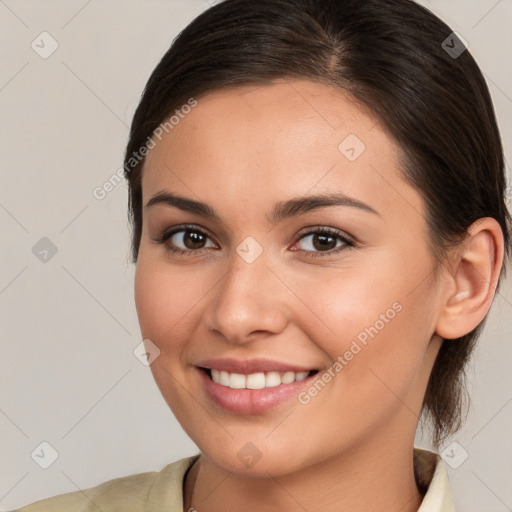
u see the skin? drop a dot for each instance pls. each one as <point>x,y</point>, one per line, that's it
<point>241,150</point>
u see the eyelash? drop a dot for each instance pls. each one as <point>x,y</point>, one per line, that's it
<point>348,244</point>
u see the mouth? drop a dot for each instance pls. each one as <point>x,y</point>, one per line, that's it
<point>253,386</point>
<point>257,380</point>
<point>253,393</point>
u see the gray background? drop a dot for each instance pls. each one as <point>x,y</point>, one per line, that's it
<point>69,327</point>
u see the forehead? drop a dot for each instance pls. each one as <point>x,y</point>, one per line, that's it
<point>277,140</point>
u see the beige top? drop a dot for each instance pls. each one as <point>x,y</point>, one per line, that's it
<point>162,491</point>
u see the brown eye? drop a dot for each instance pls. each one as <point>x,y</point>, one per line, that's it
<point>189,239</point>
<point>324,242</point>
<point>193,239</point>
<point>319,241</point>
<point>185,240</point>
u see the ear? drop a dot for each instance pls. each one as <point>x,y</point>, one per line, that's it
<point>475,267</point>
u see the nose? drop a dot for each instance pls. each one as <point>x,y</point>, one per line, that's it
<point>249,302</point>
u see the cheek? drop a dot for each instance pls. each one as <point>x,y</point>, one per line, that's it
<point>341,304</point>
<point>164,300</point>
<point>150,299</point>
<point>374,329</point>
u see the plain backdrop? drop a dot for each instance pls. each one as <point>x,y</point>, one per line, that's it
<point>68,374</point>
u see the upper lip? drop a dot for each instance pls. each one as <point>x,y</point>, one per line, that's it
<point>251,365</point>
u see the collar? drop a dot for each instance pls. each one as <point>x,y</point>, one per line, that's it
<point>432,478</point>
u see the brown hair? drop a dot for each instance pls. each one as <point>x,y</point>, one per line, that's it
<point>396,58</point>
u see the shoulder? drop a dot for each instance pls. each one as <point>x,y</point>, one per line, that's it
<point>132,489</point>
<point>127,494</point>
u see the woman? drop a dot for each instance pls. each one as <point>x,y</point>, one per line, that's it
<point>319,228</point>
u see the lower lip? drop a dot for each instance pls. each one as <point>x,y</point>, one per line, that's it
<point>252,401</point>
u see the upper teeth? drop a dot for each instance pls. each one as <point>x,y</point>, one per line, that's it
<point>258,380</point>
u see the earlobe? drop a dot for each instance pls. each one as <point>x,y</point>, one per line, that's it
<point>476,269</point>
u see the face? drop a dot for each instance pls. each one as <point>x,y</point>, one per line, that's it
<point>343,287</point>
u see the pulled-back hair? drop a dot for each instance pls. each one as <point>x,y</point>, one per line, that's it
<point>397,59</point>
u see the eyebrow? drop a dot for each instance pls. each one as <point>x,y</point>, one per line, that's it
<point>282,210</point>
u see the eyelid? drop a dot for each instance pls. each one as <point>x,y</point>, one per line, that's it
<point>348,241</point>
<point>166,234</point>
<point>326,229</point>
<point>193,227</point>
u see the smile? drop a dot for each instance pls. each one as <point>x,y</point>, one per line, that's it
<point>257,380</point>
<point>250,394</point>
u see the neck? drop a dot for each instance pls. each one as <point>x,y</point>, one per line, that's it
<point>376,476</point>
